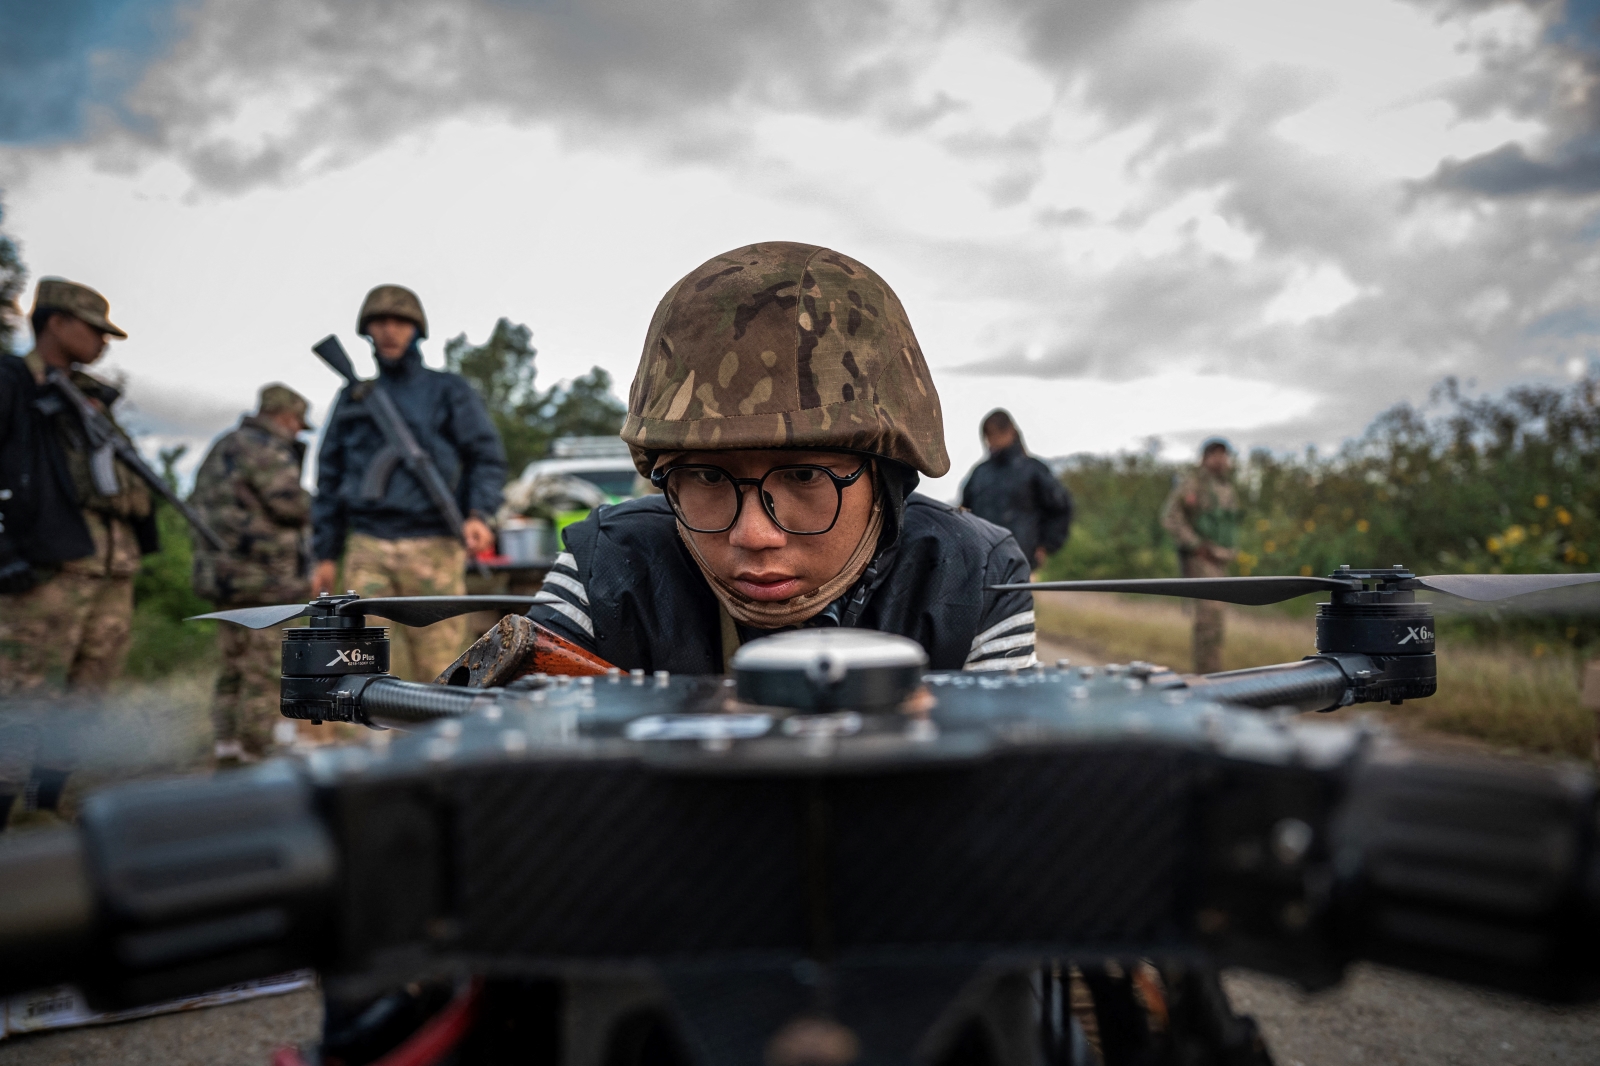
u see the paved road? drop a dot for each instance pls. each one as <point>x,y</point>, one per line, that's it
<point>1397,1019</point>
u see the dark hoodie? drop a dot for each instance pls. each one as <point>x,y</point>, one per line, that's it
<point>449,420</point>
<point>634,596</point>
<point>1013,489</point>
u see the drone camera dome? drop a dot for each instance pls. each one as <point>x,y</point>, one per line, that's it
<point>830,669</point>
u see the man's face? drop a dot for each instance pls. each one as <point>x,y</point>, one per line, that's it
<point>999,438</point>
<point>390,335</point>
<point>761,560</point>
<point>1217,460</point>
<point>81,342</point>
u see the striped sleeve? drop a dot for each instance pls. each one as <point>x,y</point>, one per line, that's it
<point>570,616</point>
<point>1008,644</point>
<point>1005,636</point>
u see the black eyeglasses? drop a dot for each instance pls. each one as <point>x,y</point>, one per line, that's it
<point>802,499</point>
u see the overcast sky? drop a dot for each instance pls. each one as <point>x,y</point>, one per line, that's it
<point>1118,218</point>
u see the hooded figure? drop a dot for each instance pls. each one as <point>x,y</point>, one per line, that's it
<point>783,411</point>
<point>1014,490</point>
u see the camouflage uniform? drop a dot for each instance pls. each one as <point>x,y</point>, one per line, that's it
<point>412,566</point>
<point>72,629</point>
<point>248,490</point>
<point>1202,513</point>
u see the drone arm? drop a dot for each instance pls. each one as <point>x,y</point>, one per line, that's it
<point>1308,685</point>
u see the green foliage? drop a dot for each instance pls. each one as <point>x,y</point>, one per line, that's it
<point>503,370</point>
<point>13,276</point>
<point>163,596</point>
<point>1117,531</point>
<point>1507,484</point>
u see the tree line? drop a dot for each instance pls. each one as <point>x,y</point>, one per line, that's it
<point>1463,484</point>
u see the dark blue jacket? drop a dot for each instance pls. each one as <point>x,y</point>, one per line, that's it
<point>633,595</point>
<point>449,420</point>
<point>1014,490</point>
<point>41,517</point>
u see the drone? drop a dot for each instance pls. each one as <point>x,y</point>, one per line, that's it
<point>835,854</point>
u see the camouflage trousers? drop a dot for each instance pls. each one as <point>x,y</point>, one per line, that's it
<point>1208,616</point>
<point>70,632</point>
<point>414,566</point>
<point>245,707</point>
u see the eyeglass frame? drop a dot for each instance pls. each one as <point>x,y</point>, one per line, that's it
<point>658,479</point>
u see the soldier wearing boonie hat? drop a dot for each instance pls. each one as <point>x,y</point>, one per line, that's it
<point>68,547</point>
<point>248,490</point>
<point>783,409</point>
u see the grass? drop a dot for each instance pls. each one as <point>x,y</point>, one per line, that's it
<point>1498,693</point>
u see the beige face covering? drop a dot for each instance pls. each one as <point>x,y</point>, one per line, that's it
<point>797,609</point>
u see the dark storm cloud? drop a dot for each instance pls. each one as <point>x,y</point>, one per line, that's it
<point>1492,281</point>
<point>1557,83</point>
<point>60,59</point>
<point>270,92</point>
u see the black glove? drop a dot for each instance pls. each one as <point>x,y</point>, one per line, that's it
<point>17,576</point>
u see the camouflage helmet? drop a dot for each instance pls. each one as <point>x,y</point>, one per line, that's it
<point>395,301</point>
<point>783,345</point>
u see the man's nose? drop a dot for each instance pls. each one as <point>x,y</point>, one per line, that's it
<point>754,529</point>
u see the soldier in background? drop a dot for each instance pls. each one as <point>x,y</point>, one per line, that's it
<point>1202,514</point>
<point>248,490</point>
<point>394,541</point>
<point>68,551</point>
<point>1015,491</point>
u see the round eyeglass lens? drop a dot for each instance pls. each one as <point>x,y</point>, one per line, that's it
<point>802,499</point>
<point>705,498</point>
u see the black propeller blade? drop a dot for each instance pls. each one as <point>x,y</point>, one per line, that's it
<point>1487,588</point>
<point>1250,591</point>
<point>426,610</point>
<point>1259,591</point>
<point>407,610</point>
<point>257,617</point>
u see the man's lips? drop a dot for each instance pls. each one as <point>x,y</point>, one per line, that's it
<point>768,587</point>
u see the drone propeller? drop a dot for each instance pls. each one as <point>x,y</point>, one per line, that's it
<point>1251,591</point>
<point>1259,591</point>
<point>406,610</point>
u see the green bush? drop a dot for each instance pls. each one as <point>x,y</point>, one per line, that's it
<point>1507,484</point>
<point>163,596</point>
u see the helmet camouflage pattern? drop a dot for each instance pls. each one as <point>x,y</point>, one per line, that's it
<point>784,345</point>
<point>395,301</point>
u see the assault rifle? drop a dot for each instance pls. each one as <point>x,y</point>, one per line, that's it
<point>106,446</point>
<point>401,446</point>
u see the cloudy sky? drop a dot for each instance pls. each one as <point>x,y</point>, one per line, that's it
<point>1119,218</point>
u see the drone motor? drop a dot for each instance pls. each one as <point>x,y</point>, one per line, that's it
<point>319,658</point>
<point>1380,635</point>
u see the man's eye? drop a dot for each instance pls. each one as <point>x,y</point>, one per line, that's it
<point>706,477</point>
<point>805,475</point>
